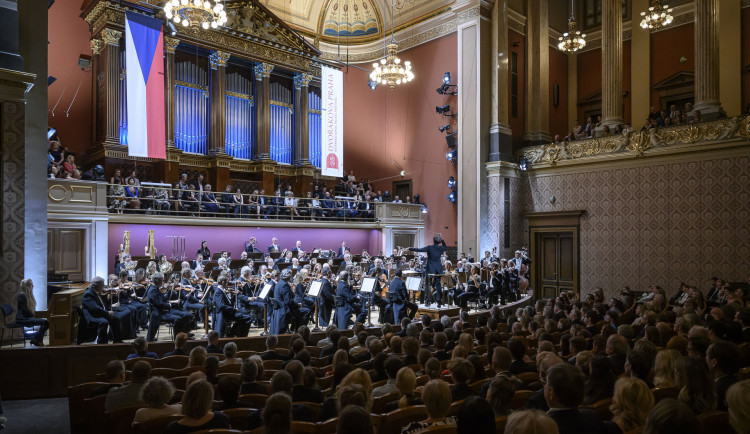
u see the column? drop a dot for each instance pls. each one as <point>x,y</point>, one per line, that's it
<point>611,64</point>
<point>263,111</point>
<point>170,44</point>
<point>707,59</point>
<point>572,90</point>
<point>9,55</point>
<point>108,128</point>
<point>218,61</point>
<point>730,56</point>
<point>640,77</point>
<point>537,73</point>
<point>97,45</point>
<point>501,145</point>
<point>301,121</point>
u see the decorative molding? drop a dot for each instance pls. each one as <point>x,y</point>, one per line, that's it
<point>315,111</point>
<point>640,143</point>
<point>283,104</point>
<point>218,59</point>
<point>170,44</point>
<point>96,46</point>
<point>191,85</point>
<point>241,95</point>
<point>302,80</point>
<point>263,70</point>
<point>111,37</point>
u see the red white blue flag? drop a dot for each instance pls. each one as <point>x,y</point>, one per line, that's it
<point>144,63</point>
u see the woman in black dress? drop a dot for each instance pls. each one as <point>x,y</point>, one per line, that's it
<point>26,309</point>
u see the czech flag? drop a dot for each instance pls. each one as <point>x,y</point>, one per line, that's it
<point>144,62</point>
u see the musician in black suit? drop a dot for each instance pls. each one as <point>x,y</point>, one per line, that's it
<point>282,298</point>
<point>434,266</point>
<point>400,298</point>
<point>343,250</point>
<point>251,246</point>
<point>198,262</point>
<point>161,307</point>
<point>190,301</point>
<point>94,311</point>
<point>302,306</point>
<point>326,301</point>
<point>249,300</point>
<point>298,247</point>
<point>380,273</point>
<point>496,285</point>
<point>225,310</point>
<point>274,247</point>
<point>348,304</point>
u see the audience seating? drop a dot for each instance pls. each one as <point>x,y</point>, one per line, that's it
<point>173,362</point>
<point>76,406</point>
<point>238,416</point>
<point>234,368</point>
<point>121,420</point>
<point>528,377</point>
<point>315,409</point>
<point>393,421</point>
<point>165,372</point>
<point>441,429</point>
<point>272,364</point>
<point>635,431</point>
<point>378,404</point>
<point>155,426</point>
<point>715,422</point>
<point>520,398</point>
<point>179,382</point>
<point>256,399</point>
<point>602,407</point>
<point>665,392</point>
<point>455,407</point>
<point>95,415</point>
<point>328,426</point>
<point>500,424</point>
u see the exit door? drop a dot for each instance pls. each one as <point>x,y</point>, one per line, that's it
<point>558,263</point>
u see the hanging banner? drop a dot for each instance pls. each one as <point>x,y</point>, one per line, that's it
<point>332,143</point>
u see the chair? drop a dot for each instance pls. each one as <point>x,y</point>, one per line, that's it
<point>245,354</point>
<point>189,370</point>
<point>153,362</point>
<point>520,398</point>
<point>238,416</point>
<point>393,421</point>
<point>377,384</point>
<point>744,374</point>
<point>455,407</point>
<point>7,310</point>
<point>378,404</point>
<point>422,380</point>
<point>315,408</point>
<point>528,377</point>
<point>220,431</point>
<point>635,431</point>
<point>230,369</point>
<point>439,429</point>
<point>174,362</point>
<point>76,407</point>
<point>481,349</point>
<point>165,372</point>
<point>256,399</point>
<point>602,407</point>
<point>304,427</point>
<point>328,426</point>
<point>664,392</point>
<point>313,350</point>
<point>179,382</point>
<point>121,420</point>
<point>500,424</point>
<point>477,385</point>
<point>97,419</point>
<point>272,364</point>
<point>715,422</point>
<point>155,426</point>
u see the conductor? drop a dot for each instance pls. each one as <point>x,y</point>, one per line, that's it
<point>434,267</point>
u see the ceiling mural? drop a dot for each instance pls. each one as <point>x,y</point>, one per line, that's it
<point>350,18</point>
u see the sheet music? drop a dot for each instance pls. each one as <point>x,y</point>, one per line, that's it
<point>413,283</point>
<point>368,284</point>
<point>315,287</point>
<point>266,289</point>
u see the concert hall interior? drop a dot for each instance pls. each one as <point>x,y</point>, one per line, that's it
<point>473,182</point>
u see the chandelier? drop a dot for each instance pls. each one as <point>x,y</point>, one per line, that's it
<point>572,40</point>
<point>389,71</point>
<point>208,13</point>
<point>657,16</point>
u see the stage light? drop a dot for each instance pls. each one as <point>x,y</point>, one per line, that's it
<point>50,132</point>
<point>451,182</point>
<point>444,89</point>
<point>424,208</point>
<point>403,173</point>
<point>443,109</point>
<point>451,197</point>
<point>445,127</point>
<point>172,28</point>
<point>523,164</point>
<point>452,155</point>
<point>373,84</point>
<point>447,78</point>
<point>450,139</point>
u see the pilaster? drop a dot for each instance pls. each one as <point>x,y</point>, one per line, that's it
<point>707,59</point>
<point>301,121</point>
<point>218,61</point>
<point>640,77</point>
<point>501,145</point>
<point>263,111</point>
<point>170,45</point>
<point>107,80</point>
<point>537,73</point>
<point>611,63</point>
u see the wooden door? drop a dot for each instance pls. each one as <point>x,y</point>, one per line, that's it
<point>402,189</point>
<point>558,264</point>
<point>403,240</point>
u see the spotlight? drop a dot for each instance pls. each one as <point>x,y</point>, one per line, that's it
<point>451,155</point>
<point>523,164</point>
<point>373,84</point>
<point>450,139</point>
<point>50,132</point>
<point>444,89</point>
<point>451,197</point>
<point>445,127</point>
<point>84,61</point>
<point>402,173</point>
<point>451,182</point>
<point>424,208</point>
<point>447,78</point>
<point>172,28</point>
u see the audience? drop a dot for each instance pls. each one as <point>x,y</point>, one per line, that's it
<point>196,409</point>
<point>179,344</point>
<point>437,400</point>
<point>737,399</point>
<point>563,392</point>
<point>129,394</point>
<point>631,404</point>
<point>155,394</point>
<point>475,417</point>
<point>277,414</point>
<point>140,348</point>
<point>230,351</point>
<point>670,416</point>
<point>530,422</point>
<point>696,388</point>
<point>355,420</point>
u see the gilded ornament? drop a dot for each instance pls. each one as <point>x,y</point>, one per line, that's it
<point>170,44</point>
<point>263,70</point>
<point>96,46</point>
<point>111,37</point>
<point>218,59</point>
<point>302,80</point>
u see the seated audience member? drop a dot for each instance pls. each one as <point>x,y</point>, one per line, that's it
<point>530,422</point>
<point>213,343</point>
<point>410,346</point>
<point>156,394</point>
<point>432,369</point>
<point>475,416</point>
<point>140,346</point>
<point>128,395</point>
<point>355,420</point>
<point>197,357</point>
<point>228,388</point>
<point>211,368</point>
<point>461,372</point>
<point>271,354</point>
<point>437,400</point>
<point>332,405</point>
<point>196,407</point>
<point>670,416</point>
<point>638,365</point>
<point>249,373</point>
<point>664,368</point>
<point>479,373</point>
<point>300,392</point>
<point>439,342</point>
<point>406,381</point>
<point>617,351</point>
<point>631,404</point>
<point>517,350</point>
<point>696,388</point>
<point>179,345</point>
<point>500,394</point>
<point>723,360</point>
<point>115,372</point>
<point>281,382</point>
<point>564,393</point>
<point>537,400</point>
<point>501,360</point>
<point>392,366</point>
<point>277,414</point>
<point>601,382</point>
<point>737,398</point>
<point>230,352</point>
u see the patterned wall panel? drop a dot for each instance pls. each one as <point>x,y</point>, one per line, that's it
<point>661,223</point>
<point>12,208</point>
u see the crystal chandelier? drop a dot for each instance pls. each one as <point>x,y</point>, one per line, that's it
<point>657,16</point>
<point>208,13</point>
<point>572,40</point>
<point>389,71</point>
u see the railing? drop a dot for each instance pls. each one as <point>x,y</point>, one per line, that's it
<point>163,199</point>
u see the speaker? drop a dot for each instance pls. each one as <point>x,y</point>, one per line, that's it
<point>555,95</point>
<point>451,140</point>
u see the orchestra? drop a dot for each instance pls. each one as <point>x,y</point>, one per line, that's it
<point>144,298</point>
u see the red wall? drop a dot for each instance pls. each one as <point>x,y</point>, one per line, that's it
<point>69,38</point>
<point>517,123</point>
<point>589,76</point>
<point>558,75</point>
<point>667,47</point>
<point>745,58</point>
<point>386,131</point>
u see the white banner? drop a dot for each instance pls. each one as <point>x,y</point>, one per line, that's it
<point>332,143</point>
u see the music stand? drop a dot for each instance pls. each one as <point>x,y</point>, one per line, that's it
<point>263,294</point>
<point>368,287</point>
<point>413,284</point>
<point>315,287</point>
<point>447,281</point>
<point>275,255</point>
<point>283,265</point>
<point>255,256</point>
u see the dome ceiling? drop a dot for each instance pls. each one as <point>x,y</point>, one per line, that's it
<point>353,21</point>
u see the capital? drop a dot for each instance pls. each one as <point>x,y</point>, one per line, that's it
<point>111,37</point>
<point>170,44</point>
<point>218,59</point>
<point>263,70</point>
<point>302,80</point>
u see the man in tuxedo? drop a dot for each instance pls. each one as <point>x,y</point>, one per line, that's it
<point>434,266</point>
<point>400,297</point>
<point>95,312</point>
<point>343,249</point>
<point>251,246</point>
<point>286,259</point>
<point>161,307</point>
<point>198,262</point>
<point>274,247</point>
<point>563,392</point>
<point>298,247</point>
<point>325,298</point>
<point>282,296</point>
<point>225,311</point>
<point>348,303</point>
